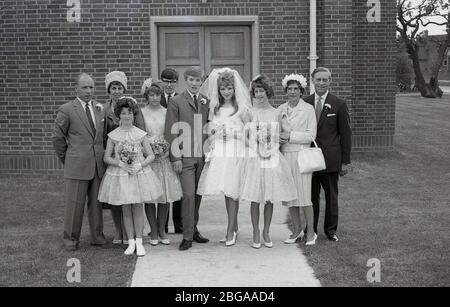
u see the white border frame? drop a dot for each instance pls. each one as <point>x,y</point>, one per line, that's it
<point>156,21</point>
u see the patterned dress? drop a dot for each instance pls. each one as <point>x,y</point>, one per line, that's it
<point>118,187</point>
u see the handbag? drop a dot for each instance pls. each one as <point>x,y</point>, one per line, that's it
<point>311,159</point>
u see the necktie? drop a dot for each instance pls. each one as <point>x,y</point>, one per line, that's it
<point>168,97</point>
<point>196,101</point>
<point>319,108</point>
<point>89,116</point>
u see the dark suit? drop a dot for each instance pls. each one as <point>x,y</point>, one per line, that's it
<point>334,137</point>
<point>182,114</point>
<point>81,151</point>
<point>176,206</point>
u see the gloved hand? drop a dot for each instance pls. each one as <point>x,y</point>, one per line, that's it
<point>126,167</point>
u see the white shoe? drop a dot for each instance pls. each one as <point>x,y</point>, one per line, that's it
<point>225,238</point>
<point>165,241</point>
<point>293,240</point>
<point>313,241</point>
<point>140,250</point>
<point>268,244</point>
<point>131,247</point>
<point>154,242</point>
<point>256,245</point>
<point>232,241</point>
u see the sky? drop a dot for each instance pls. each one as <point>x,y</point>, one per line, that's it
<point>432,29</point>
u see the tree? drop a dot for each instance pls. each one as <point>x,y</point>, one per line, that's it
<point>411,16</point>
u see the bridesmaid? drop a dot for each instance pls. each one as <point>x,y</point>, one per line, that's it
<point>302,121</point>
<point>155,116</point>
<point>267,176</point>
<point>116,86</point>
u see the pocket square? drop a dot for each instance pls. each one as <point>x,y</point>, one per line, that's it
<point>331,115</point>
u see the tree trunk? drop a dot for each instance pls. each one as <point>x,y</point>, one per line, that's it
<point>422,86</point>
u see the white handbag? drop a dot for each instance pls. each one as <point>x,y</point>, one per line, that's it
<point>311,159</point>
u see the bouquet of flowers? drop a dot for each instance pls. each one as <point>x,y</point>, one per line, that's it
<point>128,152</point>
<point>219,130</point>
<point>264,139</point>
<point>160,146</point>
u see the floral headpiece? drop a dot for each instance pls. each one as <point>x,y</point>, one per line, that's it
<point>146,85</point>
<point>130,98</point>
<point>295,77</point>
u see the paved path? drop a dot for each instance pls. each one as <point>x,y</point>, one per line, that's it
<point>214,265</point>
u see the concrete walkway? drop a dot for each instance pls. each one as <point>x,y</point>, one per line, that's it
<point>214,265</point>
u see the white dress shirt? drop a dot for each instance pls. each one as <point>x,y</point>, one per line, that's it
<point>83,104</point>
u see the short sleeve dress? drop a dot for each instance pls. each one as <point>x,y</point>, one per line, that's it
<point>121,188</point>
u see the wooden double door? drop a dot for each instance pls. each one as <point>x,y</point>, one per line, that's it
<point>206,46</point>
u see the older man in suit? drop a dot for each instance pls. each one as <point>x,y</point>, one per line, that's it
<point>188,112</point>
<point>169,78</point>
<point>334,137</point>
<point>78,142</point>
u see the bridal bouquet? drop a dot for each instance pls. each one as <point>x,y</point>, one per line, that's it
<point>219,130</point>
<point>128,152</point>
<point>160,146</point>
<point>264,139</point>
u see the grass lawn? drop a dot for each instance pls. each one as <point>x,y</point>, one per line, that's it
<point>31,246</point>
<point>395,206</point>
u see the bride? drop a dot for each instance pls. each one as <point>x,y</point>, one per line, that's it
<point>230,102</point>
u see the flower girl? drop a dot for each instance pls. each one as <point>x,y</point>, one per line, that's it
<point>129,180</point>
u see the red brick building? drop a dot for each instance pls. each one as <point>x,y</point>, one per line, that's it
<point>41,52</point>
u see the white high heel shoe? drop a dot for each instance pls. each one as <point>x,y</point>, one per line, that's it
<point>293,240</point>
<point>131,247</point>
<point>225,238</point>
<point>313,241</point>
<point>164,241</point>
<point>140,250</point>
<point>233,241</point>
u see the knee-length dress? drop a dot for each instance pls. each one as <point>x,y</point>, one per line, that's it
<point>302,120</point>
<point>266,179</point>
<point>154,124</point>
<point>118,187</point>
<point>223,170</point>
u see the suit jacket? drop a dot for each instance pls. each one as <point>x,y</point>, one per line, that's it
<point>164,102</point>
<point>75,144</point>
<point>334,135</point>
<point>112,122</point>
<point>180,116</point>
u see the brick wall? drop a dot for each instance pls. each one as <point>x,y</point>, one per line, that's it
<point>41,53</point>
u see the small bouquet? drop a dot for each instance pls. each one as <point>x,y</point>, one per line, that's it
<point>160,146</point>
<point>128,152</point>
<point>264,139</point>
<point>219,130</point>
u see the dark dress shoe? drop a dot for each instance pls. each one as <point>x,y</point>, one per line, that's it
<point>333,238</point>
<point>185,245</point>
<point>199,238</point>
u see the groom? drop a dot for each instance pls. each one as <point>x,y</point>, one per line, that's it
<point>188,112</point>
<point>78,142</point>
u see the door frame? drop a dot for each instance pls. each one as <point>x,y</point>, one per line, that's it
<point>157,21</point>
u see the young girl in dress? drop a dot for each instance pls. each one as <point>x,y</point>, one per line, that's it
<point>229,106</point>
<point>155,117</point>
<point>267,177</point>
<point>129,180</point>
